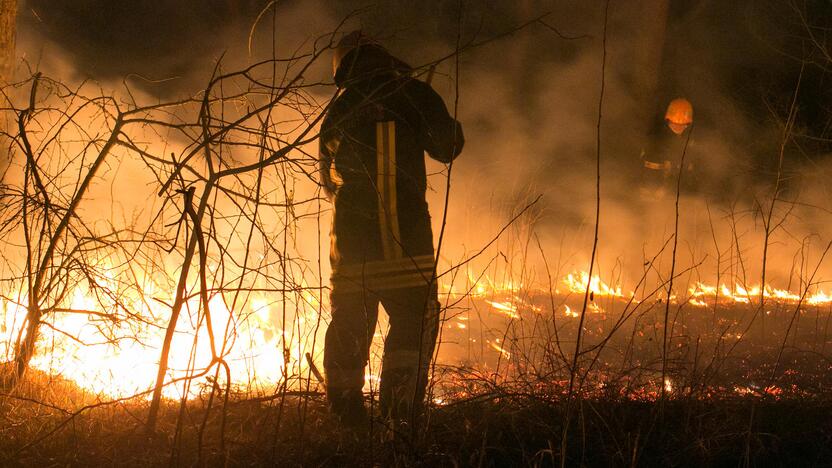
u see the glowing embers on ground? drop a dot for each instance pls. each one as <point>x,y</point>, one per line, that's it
<point>515,312</point>
<point>703,295</point>
<point>699,294</point>
<point>513,306</point>
<point>512,299</point>
<point>576,282</point>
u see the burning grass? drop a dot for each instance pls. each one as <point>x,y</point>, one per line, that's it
<point>725,402</point>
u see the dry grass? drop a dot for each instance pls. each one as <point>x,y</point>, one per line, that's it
<point>499,426</point>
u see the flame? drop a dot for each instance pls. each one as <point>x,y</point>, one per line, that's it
<point>569,312</point>
<point>500,349</point>
<point>251,342</point>
<point>577,283</point>
<point>259,352</point>
<point>506,307</point>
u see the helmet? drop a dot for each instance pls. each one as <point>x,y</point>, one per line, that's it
<point>679,115</point>
<point>358,55</point>
<point>346,45</point>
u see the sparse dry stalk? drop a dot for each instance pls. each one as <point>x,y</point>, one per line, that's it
<point>668,301</point>
<point>573,368</point>
<point>41,279</point>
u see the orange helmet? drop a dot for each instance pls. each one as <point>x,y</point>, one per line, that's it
<point>679,115</point>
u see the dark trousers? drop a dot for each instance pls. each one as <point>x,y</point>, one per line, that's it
<point>414,323</point>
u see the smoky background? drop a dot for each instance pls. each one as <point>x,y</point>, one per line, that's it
<point>527,97</point>
<point>752,204</point>
<point>528,101</point>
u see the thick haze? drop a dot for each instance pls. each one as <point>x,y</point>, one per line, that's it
<point>529,104</point>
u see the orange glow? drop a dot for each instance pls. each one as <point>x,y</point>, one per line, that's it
<point>250,339</point>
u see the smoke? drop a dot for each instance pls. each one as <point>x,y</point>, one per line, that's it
<point>529,104</point>
<point>530,108</point>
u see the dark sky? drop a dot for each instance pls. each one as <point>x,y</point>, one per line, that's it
<point>174,37</point>
<point>106,38</point>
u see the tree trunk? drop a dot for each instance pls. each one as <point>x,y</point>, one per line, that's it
<point>8,14</point>
<point>27,346</point>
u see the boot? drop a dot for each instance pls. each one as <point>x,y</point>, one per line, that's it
<point>348,408</point>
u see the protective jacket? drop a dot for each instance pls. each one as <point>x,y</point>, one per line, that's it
<point>373,141</point>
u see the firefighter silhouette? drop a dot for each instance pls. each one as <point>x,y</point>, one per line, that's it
<point>372,165</point>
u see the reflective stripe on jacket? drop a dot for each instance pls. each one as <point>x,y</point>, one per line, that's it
<point>372,147</point>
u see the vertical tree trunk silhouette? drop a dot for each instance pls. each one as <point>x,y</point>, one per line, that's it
<point>8,14</point>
